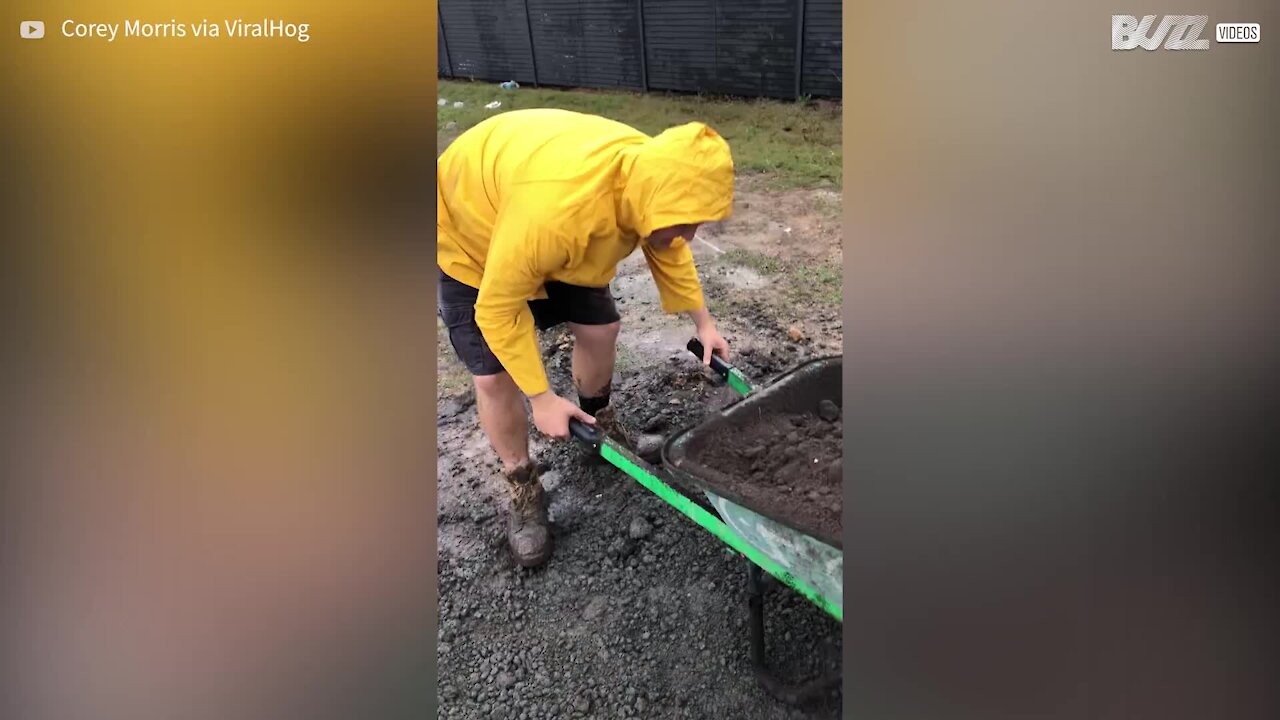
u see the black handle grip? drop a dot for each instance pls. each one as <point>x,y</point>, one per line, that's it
<point>719,365</point>
<point>584,432</point>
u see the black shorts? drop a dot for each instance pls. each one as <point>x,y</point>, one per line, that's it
<point>564,303</point>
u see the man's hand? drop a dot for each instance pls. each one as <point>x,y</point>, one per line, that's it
<point>552,413</point>
<point>712,341</point>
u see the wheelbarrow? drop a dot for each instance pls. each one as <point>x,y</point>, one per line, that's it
<point>800,556</point>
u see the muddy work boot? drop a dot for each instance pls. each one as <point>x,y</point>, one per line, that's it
<point>646,447</point>
<point>608,425</point>
<point>528,530</point>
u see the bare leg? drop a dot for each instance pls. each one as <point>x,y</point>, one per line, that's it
<point>503,418</point>
<point>500,405</point>
<point>595,348</point>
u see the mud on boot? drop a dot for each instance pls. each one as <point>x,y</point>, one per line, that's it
<point>609,425</point>
<point>647,447</point>
<point>528,529</point>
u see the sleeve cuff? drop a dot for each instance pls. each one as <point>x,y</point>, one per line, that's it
<point>532,385</point>
<point>675,305</point>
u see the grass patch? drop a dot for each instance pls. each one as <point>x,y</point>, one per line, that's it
<point>791,144</point>
<point>452,376</point>
<point>627,360</point>
<point>716,304</point>
<point>817,282</point>
<point>828,206</point>
<point>763,264</point>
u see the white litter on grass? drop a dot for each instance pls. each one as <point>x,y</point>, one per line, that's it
<point>786,230</point>
<point>457,104</point>
<point>442,102</point>
<point>713,247</point>
<point>493,105</point>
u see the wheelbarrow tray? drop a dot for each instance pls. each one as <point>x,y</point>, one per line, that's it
<point>810,553</point>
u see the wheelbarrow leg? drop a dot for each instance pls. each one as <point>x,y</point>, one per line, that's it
<point>791,694</point>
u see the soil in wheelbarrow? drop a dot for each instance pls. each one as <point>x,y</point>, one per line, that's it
<point>791,463</point>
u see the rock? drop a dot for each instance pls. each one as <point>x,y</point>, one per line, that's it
<point>550,480</point>
<point>582,704</point>
<point>455,405</point>
<point>620,548</point>
<point>655,423</point>
<point>451,125</point>
<point>506,680</point>
<point>640,528</point>
<point>595,608</point>
<point>649,447</point>
<point>795,333</point>
<point>828,411</point>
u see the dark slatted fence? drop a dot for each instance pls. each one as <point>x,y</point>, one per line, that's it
<point>586,44</point>
<point>752,48</point>
<point>821,73</point>
<point>487,39</point>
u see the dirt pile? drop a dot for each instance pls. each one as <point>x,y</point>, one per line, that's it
<point>789,463</point>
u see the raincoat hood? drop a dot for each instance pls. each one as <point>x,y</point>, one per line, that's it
<point>683,176</point>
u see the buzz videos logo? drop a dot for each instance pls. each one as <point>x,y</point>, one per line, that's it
<point>1176,32</point>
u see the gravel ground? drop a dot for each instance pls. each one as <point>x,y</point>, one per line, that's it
<point>640,612</point>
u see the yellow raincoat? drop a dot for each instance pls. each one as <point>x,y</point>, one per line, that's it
<point>536,195</point>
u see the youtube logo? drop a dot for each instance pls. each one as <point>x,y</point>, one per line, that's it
<point>31,29</point>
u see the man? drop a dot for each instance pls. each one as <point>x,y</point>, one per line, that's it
<point>536,209</point>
